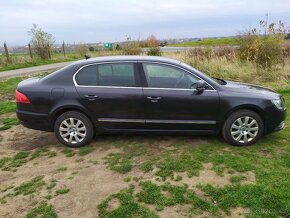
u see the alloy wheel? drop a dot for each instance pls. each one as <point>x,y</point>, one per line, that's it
<point>244,129</point>
<point>72,130</point>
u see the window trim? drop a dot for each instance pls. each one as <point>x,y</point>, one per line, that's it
<point>140,76</point>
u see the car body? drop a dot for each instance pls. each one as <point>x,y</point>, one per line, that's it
<point>146,94</point>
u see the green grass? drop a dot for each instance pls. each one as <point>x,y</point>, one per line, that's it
<point>237,179</point>
<point>62,191</point>
<point>8,163</point>
<point>209,42</point>
<point>68,152</point>
<point>169,195</point>
<point>85,150</point>
<point>178,163</point>
<point>30,187</point>
<point>7,107</point>
<point>128,206</point>
<point>8,86</point>
<point>17,63</point>
<point>118,163</point>
<point>262,203</point>
<point>22,157</point>
<point>43,210</point>
<point>147,166</point>
<point>8,123</point>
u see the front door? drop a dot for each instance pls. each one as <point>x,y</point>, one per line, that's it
<point>112,94</point>
<point>173,103</point>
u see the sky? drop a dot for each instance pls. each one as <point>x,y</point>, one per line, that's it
<point>84,21</point>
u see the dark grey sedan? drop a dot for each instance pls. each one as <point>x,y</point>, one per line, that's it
<point>126,94</point>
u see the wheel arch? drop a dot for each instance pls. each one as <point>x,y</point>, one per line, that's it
<point>60,110</point>
<point>251,107</point>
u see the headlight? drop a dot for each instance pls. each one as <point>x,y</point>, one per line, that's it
<point>279,103</point>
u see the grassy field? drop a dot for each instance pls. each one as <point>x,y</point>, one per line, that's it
<point>230,68</point>
<point>24,60</point>
<point>209,42</point>
<point>140,176</point>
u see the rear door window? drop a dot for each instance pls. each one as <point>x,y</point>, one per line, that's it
<point>115,74</point>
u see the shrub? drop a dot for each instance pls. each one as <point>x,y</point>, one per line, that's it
<point>154,51</point>
<point>131,48</point>
<point>42,42</point>
<point>265,51</point>
<point>152,44</point>
<point>286,50</point>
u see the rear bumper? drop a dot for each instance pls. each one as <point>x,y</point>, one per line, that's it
<point>33,120</point>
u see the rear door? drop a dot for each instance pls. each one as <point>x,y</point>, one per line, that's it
<point>112,94</point>
<point>173,103</point>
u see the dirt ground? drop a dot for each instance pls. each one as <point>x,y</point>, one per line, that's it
<point>88,178</point>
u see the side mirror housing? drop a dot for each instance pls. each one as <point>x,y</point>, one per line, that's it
<point>201,85</point>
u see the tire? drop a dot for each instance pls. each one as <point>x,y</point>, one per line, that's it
<point>242,128</point>
<point>73,129</point>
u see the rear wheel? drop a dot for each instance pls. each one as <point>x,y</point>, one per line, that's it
<point>73,129</point>
<point>243,127</point>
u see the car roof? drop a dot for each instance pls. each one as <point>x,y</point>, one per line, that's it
<point>126,58</point>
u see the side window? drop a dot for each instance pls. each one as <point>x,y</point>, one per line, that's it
<point>116,75</point>
<point>87,76</point>
<point>122,74</point>
<point>163,76</point>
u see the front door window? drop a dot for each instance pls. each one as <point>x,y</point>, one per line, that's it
<point>163,76</point>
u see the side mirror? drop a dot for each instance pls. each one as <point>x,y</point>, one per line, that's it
<point>201,86</point>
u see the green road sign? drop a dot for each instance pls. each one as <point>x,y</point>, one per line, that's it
<point>108,45</point>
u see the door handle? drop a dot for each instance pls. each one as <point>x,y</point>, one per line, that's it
<point>91,97</point>
<point>153,98</point>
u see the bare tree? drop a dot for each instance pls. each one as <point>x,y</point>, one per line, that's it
<point>42,42</point>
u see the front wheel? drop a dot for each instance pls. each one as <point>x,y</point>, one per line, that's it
<point>73,129</point>
<point>243,127</point>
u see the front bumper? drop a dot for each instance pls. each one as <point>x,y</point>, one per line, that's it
<point>275,120</point>
<point>34,120</point>
<point>280,127</point>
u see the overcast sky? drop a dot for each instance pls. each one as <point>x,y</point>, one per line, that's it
<point>79,21</point>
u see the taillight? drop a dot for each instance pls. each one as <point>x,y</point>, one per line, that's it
<point>21,98</point>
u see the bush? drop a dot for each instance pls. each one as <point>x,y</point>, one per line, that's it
<point>42,42</point>
<point>152,44</point>
<point>154,51</point>
<point>265,51</point>
<point>131,48</point>
<point>286,50</point>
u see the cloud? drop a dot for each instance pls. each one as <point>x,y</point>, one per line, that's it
<point>88,20</point>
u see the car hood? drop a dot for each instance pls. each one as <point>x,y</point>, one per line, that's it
<point>250,88</point>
